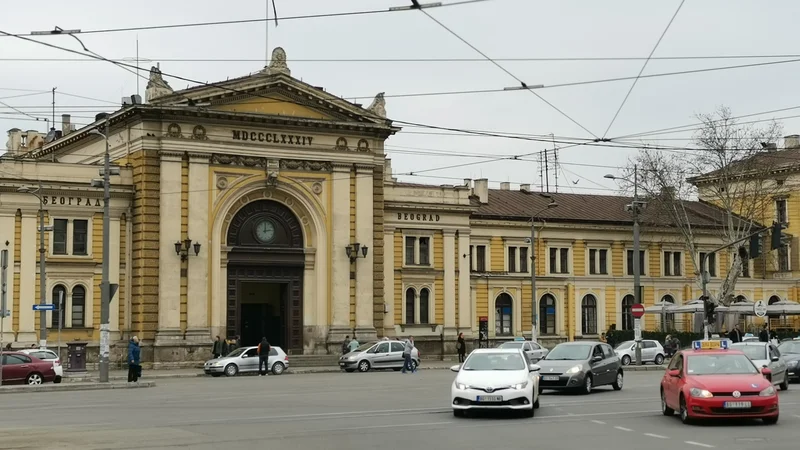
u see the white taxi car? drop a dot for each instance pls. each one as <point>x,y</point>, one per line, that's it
<point>497,378</point>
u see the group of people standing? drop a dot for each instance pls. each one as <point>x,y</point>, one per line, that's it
<point>224,346</point>
<point>351,345</point>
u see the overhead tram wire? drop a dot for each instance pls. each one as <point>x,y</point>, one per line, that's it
<point>247,21</point>
<point>635,80</point>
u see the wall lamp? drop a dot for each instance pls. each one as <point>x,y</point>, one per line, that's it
<point>353,249</point>
<point>182,248</point>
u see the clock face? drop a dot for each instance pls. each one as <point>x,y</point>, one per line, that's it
<point>265,231</point>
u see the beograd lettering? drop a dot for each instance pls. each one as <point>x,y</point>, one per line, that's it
<point>418,217</point>
<point>274,138</point>
<point>71,201</point>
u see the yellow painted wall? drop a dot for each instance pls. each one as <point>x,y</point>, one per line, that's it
<point>352,240</point>
<point>497,264</point>
<point>579,258</point>
<point>399,295</point>
<point>438,314</point>
<point>541,256</point>
<point>617,259</point>
<point>123,287</point>
<point>612,306</point>
<point>184,235</point>
<point>275,105</point>
<point>649,300</point>
<point>481,299</point>
<point>654,261</point>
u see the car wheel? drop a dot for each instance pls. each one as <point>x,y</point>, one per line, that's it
<point>363,366</point>
<point>665,410</point>
<point>617,385</point>
<point>529,412</point>
<point>626,360</point>
<point>57,380</point>
<point>587,385</point>
<point>684,411</point>
<point>231,370</point>
<point>414,365</point>
<point>458,412</point>
<point>536,404</point>
<point>785,385</point>
<point>34,379</point>
<point>659,360</point>
<point>541,389</point>
<point>770,420</point>
<point>278,368</point>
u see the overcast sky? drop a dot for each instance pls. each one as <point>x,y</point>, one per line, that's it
<point>501,29</point>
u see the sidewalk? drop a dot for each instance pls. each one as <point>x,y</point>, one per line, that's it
<point>75,386</point>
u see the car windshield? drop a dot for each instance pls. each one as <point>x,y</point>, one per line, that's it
<point>365,347</point>
<point>720,365</point>
<point>624,346</point>
<point>752,351</point>
<point>569,352</point>
<point>494,361</point>
<point>236,352</point>
<point>790,347</point>
<point>511,345</point>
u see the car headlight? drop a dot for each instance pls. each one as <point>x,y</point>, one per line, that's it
<point>461,386</point>
<point>768,392</point>
<point>700,393</point>
<point>520,386</point>
<point>351,358</point>
<point>792,363</point>
<point>574,369</point>
<point>218,364</point>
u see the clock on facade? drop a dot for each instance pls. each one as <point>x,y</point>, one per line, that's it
<point>265,231</point>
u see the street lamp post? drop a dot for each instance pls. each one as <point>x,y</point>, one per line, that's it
<point>534,300</point>
<point>37,192</point>
<point>635,208</point>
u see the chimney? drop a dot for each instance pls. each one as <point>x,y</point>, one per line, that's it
<point>468,182</point>
<point>505,186</point>
<point>482,190</point>
<point>525,187</point>
<point>791,142</point>
<point>65,124</point>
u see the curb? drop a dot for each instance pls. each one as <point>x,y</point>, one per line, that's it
<point>70,387</point>
<point>644,368</point>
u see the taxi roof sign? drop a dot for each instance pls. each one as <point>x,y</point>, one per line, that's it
<point>519,338</point>
<point>710,345</point>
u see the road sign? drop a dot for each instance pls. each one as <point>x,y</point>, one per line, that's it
<point>637,310</point>
<point>760,308</point>
<point>45,307</point>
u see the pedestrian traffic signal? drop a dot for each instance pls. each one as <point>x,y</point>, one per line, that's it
<point>777,235</point>
<point>755,246</point>
<point>709,308</point>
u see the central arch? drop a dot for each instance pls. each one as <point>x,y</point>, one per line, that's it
<point>266,263</point>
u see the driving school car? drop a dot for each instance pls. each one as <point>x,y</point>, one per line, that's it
<point>710,381</point>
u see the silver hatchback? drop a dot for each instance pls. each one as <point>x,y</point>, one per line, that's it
<point>245,360</point>
<point>377,355</point>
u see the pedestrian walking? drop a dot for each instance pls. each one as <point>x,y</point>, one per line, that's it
<point>461,348</point>
<point>611,336</point>
<point>219,348</point>
<point>409,347</point>
<point>134,360</point>
<point>353,344</point>
<point>735,335</point>
<point>263,357</point>
<point>346,345</point>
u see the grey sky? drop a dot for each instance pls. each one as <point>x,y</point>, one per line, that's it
<point>499,28</point>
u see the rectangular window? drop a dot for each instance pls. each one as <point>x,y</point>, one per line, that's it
<point>710,263</point>
<point>598,261</point>
<point>471,253</point>
<point>512,259</point>
<point>781,211</point>
<point>641,262</point>
<point>553,260</point>
<point>603,261</point>
<point>60,237</point>
<point>481,258</point>
<point>559,260</point>
<point>523,259</point>
<point>425,251</point>
<point>783,258</point>
<point>411,244</point>
<point>564,262</point>
<point>80,236</point>
<point>672,264</point>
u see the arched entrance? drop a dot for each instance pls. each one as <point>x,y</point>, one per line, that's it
<point>265,276</point>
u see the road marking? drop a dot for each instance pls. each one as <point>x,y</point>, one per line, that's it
<point>623,428</point>
<point>599,422</point>
<point>699,444</point>
<point>656,436</point>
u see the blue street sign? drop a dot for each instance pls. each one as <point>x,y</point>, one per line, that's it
<point>45,307</point>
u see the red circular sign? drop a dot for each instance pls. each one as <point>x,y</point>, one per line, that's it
<point>637,310</point>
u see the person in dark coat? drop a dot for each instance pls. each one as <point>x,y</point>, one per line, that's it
<point>764,335</point>
<point>263,357</point>
<point>219,348</point>
<point>134,360</point>
<point>611,336</point>
<point>736,334</point>
<point>461,348</point>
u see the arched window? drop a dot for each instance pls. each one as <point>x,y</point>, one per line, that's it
<point>547,314</point>
<point>627,317</point>
<point>78,307</point>
<point>59,295</point>
<point>670,318</point>
<point>773,299</point>
<point>589,315</point>
<point>504,313</point>
<point>424,302</point>
<point>411,297</point>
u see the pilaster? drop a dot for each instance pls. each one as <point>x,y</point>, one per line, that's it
<point>169,286</point>
<point>340,264</point>
<point>197,273</point>
<point>449,281</point>
<point>365,327</point>
<point>27,276</point>
<point>113,272</point>
<point>388,278</point>
<point>465,313</point>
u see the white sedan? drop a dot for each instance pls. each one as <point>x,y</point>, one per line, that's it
<point>495,378</point>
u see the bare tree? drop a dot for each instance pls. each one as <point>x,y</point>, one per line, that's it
<point>729,167</point>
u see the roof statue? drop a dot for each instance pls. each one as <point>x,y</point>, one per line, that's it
<point>277,63</point>
<point>156,86</point>
<point>378,106</point>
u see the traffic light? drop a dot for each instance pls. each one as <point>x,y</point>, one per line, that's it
<point>709,308</point>
<point>755,246</point>
<point>777,236</point>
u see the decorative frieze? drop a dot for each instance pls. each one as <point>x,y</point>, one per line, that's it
<point>285,164</point>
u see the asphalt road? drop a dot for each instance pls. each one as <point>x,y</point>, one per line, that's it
<point>363,411</point>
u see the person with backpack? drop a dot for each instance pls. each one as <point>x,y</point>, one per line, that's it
<point>263,357</point>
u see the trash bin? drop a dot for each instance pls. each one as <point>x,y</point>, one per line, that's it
<point>76,357</point>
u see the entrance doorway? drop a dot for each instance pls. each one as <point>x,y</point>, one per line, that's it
<point>263,308</point>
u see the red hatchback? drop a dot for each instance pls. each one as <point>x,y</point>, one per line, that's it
<point>22,368</point>
<point>710,381</point>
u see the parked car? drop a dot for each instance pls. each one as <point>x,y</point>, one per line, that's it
<point>532,350</point>
<point>245,360</point>
<point>652,351</point>
<point>378,355</point>
<point>764,354</point>
<point>19,367</point>
<point>580,366</point>
<point>790,351</point>
<point>47,355</point>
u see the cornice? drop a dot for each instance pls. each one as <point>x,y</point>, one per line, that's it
<point>364,168</point>
<point>199,158</point>
<point>342,167</point>
<point>171,156</point>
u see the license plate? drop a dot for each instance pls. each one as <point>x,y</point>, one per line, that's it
<point>490,398</point>
<point>550,378</point>
<point>736,405</point>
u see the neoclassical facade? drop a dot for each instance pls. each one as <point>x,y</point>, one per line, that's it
<point>264,206</point>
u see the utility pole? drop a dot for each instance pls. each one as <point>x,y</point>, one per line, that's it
<point>42,273</point>
<point>3,312</point>
<point>637,285</point>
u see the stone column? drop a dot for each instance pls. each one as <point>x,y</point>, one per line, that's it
<point>113,276</point>
<point>388,279</point>
<point>340,264</point>
<point>7,230</point>
<point>197,327</point>
<point>169,270</point>
<point>465,316</point>
<point>28,268</point>
<point>450,282</point>
<point>365,328</point>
